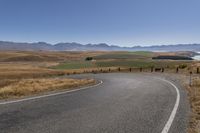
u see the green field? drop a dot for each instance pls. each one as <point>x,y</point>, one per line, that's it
<point>120,63</point>
<point>125,55</point>
<point>125,63</point>
<point>75,65</point>
<point>121,59</point>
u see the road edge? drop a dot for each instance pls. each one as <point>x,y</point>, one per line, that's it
<point>175,108</point>
<point>49,95</point>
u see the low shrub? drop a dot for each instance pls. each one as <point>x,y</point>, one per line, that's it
<point>89,58</point>
<point>182,66</point>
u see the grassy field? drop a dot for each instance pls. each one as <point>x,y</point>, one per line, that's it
<point>75,65</point>
<point>123,59</point>
<point>125,55</point>
<point>140,63</point>
<point>44,56</point>
<point>22,79</point>
<point>25,72</point>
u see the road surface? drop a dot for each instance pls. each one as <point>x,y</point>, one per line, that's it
<point>123,103</point>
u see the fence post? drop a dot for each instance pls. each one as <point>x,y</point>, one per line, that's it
<point>151,69</point>
<point>140,69</point>
<point>119,69</point>
<point>130,69</point>
<point>197,70</point>
<point>190,82</point>
<point>109,69</point>
<point>177,70</point>
<point>163,69</point>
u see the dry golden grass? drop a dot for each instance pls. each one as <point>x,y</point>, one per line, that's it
<point>21,79</point>
<point>194,95</point>
<point>27,73</point>
<point>24,70</point>
<point>24,87</point>
<point>41,56</point>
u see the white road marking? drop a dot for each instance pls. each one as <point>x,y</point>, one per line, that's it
<point>48,95</point>
<point>173,113</point>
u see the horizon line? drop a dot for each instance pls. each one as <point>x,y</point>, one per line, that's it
<point>32,42</point>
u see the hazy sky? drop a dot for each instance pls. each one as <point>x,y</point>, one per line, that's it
<point>116,22</point>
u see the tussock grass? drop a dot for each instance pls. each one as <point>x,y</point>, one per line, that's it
<point>194,95</point>
<point>19,79</point>
<point>23,70</point>
<point>41,56</point>
<point>24,87</point>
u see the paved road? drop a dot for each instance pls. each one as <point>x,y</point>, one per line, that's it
<point>124,103</point>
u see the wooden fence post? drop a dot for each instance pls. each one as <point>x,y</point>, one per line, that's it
<point>151,69</point>
<point>163,69</point>
<point>177,70</point>
<point>190,82</point>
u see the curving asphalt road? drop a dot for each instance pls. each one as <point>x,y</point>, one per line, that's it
<point>123,103</point>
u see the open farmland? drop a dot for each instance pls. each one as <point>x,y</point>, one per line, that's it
<point>16,66</point>
<point>124,59</point>
<point>125,55</point>
<point>45,63</point>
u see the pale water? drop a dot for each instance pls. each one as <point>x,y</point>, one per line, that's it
<point>196,57</point>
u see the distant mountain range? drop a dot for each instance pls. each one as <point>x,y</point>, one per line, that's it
<point>5,45</point>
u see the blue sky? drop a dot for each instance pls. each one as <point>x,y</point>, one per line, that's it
<point>116,22</point>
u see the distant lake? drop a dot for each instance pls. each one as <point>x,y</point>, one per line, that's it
<point>196,57</point>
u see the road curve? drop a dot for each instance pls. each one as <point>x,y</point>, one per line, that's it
<point>124,103</point>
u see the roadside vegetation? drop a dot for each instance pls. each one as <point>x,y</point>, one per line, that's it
<point>194,97</point>
<point>25,73</point>
<point>22,79</point>
<point>18,88</point>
